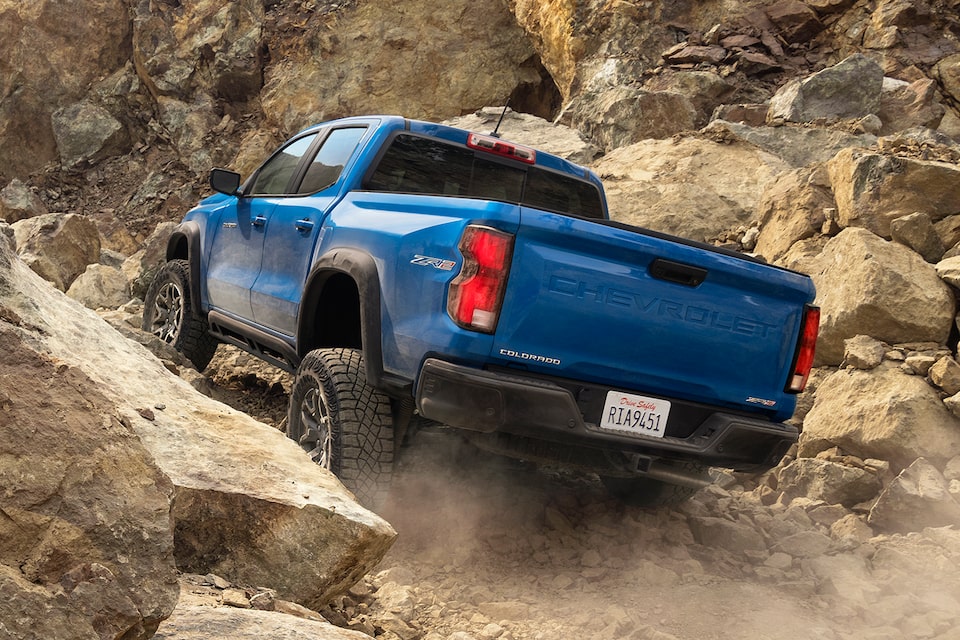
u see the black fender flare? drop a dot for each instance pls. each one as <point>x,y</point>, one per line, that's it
<point>188,233</point>
<point>362,269</point>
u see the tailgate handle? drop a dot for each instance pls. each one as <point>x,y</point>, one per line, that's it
<point>677,272</point>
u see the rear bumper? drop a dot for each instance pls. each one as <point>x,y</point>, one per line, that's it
<point>494,401</point>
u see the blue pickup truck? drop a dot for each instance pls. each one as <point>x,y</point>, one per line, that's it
<point>411,273</point>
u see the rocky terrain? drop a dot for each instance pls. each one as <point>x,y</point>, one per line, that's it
<point>822,135</point>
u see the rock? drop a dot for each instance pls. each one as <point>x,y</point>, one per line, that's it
<point>873,189</point>
<point>86,133</point>
<point>792,209</point>
<point>280,521</point>
<point>530,130</point>
<point>615,117</point>
<point>86,540</point>
<point>735,537</point>
<point>795,21</point>
<point>753,115</point>
<point>301,89</point>
<point>862,352</point>
<point>831,482</point>
<point>949,271</point>
<point>848,90</point>
<point>201,623</point>
<point>829,6</point>
<point>918,498</point>
<point>77,53</point>
<point>948,72</point>
<point>18,202</point>
<point>882,414</point>
<point>866,285</point>
<point>100,287</point>
<point>917,232</point>
<point>692,188</point>
<point>59,247</point>
<point>706,90</point>
<point>693,54</point>
<point>910,105</point>
<point>852,528</point>
<point>799,146</point>
<point>804,544</point>
<point>845,578</point>
<point>945,373</point>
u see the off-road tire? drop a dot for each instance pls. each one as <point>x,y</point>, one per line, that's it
<point>639,491</point>
<point>168,313</point>
<point>343,423</point>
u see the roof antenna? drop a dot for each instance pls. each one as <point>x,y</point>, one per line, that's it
<point>496,130</point>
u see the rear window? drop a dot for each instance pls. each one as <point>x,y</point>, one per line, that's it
<point>413,164</point>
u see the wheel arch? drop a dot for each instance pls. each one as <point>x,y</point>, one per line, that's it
<point>342,290</point>
<point>184,244</point>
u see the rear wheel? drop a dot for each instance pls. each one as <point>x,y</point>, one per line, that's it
<point>640,491</point>
<point>343,423</point>
<point>168,314</point>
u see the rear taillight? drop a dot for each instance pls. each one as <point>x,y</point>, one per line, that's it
<point>492,144</point>
<point>476,294</point>
<point>806,346</point>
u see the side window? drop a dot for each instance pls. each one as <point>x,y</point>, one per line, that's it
<point>273,178</point>
<point>330,159</point>
<point>554,192</point>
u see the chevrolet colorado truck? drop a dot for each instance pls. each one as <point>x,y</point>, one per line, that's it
<point>411,273</point>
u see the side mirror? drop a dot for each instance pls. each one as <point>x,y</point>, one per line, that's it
<point>225,181</point>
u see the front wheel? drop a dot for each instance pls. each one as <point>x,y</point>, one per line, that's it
<point>343,423</point>
<point>168,314</point>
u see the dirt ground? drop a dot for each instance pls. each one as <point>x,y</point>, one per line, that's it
<point>493,548</point>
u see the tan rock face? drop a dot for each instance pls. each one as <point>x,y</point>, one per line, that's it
<point>76,52</point>
<point>430,60</point>
<point>866,285</point>
<point>872,189</point>
<point>58,247</point>
<point>883,414</point>
<point>792,209</point>
<point>692,188</point>
<point>86,536</point>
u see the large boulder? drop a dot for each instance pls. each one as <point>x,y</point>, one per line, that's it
<point>908,105</point>
<point>867,285</point>
<point>87,133</point>
<point>690,187</point>
<point>86,537</point>
<point>873,189</point>
<point>798,145</point>
<point>848,90</point>
<point>247,504</point>
<point>614,117</point>
<point>57,246</point>
<point>883,413</point>
<point>832,482</point>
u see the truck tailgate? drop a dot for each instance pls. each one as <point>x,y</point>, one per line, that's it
<point>640,312</point>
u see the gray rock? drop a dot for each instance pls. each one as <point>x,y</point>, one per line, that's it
<point>18,202</point>
<point>848,90</point>
<point>918,498</point>
<point>862,352</point>
<point>87,133</point>
<point>799,146</point>
<point>832,482</point>
<point>100,287</point>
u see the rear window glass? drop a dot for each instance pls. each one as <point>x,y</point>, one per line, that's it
<point>422,165</point>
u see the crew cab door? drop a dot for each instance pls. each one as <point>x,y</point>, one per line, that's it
<point>236,252</point>
<point>294,226</point>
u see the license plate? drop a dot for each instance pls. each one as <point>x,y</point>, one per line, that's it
<point>635,414</point>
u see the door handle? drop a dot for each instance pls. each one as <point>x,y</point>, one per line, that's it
<point>259,221</point>
<point>304,224</point>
